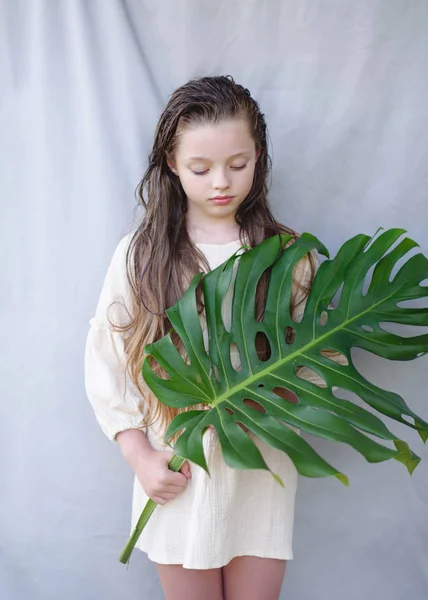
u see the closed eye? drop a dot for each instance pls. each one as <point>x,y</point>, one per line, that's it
<point>240,168</point>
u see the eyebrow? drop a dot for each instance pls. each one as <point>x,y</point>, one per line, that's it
<point>246,152</point>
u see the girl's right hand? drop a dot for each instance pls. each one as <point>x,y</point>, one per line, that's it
<point>157,480</point>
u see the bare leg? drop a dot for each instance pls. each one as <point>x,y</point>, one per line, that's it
<point>253,578</point>
<point>190,584</point>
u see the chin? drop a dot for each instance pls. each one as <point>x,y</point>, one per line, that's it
<point>224,211</point>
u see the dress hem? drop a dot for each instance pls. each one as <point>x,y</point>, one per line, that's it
<point>219,564</point>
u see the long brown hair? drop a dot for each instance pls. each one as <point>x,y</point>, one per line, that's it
<point>161,257</point>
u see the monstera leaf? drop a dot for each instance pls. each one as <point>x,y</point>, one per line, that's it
<point>208,377</point>
<point>269,396</point>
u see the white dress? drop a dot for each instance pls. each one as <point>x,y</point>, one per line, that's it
<point>229,513</point>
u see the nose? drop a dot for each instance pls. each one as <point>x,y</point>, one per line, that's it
<point>220,180</point>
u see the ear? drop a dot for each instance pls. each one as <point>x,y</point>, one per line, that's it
<point>257,154</point>
<point>171,164</point>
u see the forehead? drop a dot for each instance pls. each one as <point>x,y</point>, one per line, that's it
<point>215,142</point>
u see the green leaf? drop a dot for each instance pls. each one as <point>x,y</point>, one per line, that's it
<point>306,367</point>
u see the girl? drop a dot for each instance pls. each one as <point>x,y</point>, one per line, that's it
<point>228,536</point>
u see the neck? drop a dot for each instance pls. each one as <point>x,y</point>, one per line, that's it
<point>213,231</point>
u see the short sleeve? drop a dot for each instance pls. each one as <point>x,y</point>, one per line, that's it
<point>117,402</point>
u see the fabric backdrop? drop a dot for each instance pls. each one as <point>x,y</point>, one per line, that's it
<point>344,87</point>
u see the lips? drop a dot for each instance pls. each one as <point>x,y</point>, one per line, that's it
<point>222,199</point>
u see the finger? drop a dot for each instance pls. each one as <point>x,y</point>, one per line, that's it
<point>177,479</point>
<point>169,495</point>
<point>158,500</point>
<point>167,456</point>
<point>185,469</point>
<point>163,497</point>
<point>175,489</point>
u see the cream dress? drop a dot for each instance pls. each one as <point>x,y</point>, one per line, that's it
<point>229,513</point>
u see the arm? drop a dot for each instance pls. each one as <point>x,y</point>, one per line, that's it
<point>151,466</point>
<point>118,405</point>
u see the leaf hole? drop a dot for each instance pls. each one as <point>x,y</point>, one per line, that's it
<point>368,279</point>
<point>373,239</point>
<point>261,385</point>
<point>367,328</point>
<point>323,318</point>
<point>339,393</point>
<point>229,411</point>
<point>414,303</point>
<point>176,340</point>
<point>404,331</point>
<point>420,354</point>
<point>296,313</point>
<point>408,419</point>
<point>401,262</point>
<point>286,394</point>
<point>308,374</point>
<point>157,369</point>
<point>263,348</point>
<point>336,299</point>
<point>216,372</point>
<point>261,295</point>
<point>290,335</point>
<point>226,304</point>
<point>254,404</point>
<point>242,426</point>
<point>335,356</point>
<point>235,357</point>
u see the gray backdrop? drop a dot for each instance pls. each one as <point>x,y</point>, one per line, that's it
<point>344,86</point>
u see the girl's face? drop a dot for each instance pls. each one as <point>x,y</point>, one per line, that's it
<point>215,165</point>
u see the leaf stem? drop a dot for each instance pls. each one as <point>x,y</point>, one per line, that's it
<point>175,464</point>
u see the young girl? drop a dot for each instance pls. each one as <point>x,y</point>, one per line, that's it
<point>227,536</point>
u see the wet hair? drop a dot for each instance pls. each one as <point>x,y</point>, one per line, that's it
<point>161,259</point>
